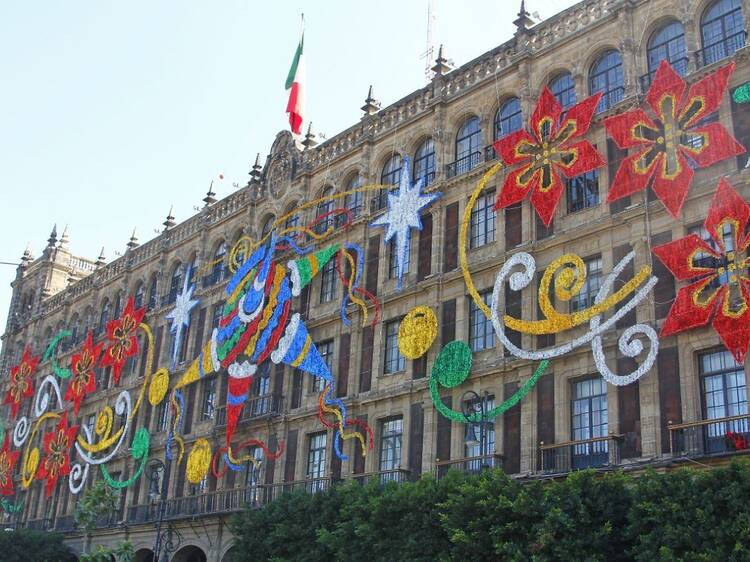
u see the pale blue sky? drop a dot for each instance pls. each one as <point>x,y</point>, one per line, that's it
<point>112,111</point>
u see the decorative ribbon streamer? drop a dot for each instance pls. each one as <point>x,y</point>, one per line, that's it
<point>139,450</point>
<point>61,372</point>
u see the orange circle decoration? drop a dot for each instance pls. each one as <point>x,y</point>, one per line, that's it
<point>417,331</point>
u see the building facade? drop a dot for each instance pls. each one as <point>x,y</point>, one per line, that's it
<point>681,409</point>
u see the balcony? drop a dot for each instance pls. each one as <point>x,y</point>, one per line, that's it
<point>468,465</point>
<point>720,50</point>
<point>463,164</point>
<point>397,475</point>
<point>680,65</point>
<point>597,452</point>
<point>710,437</point>
<point>489,153</point>
<point>255,408</point>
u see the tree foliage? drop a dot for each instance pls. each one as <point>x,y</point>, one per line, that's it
<point>23,545</point>
<point>688,514</point>
<point>98,501</point>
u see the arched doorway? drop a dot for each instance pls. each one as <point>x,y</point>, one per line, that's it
<point>229,554</point>
<point>144,555</point>
<point>189,553</point>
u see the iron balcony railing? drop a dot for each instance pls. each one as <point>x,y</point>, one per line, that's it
<point>721,49</point>
<point>468,465</point>
<point>596,452</point>
<point>680,65</point>
<point>463,164</point>
<point>397,475</point>
<point>710,437</point>
<point>255,408</point>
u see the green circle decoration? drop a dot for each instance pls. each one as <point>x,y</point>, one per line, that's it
<point>453,364</point>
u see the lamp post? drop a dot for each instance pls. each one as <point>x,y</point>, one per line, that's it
<point>471,404</point>
<point>158,473</point>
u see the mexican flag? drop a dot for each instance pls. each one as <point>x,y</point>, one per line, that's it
<point>295,107</point>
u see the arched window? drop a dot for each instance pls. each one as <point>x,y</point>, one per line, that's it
<point>103,317</point>
<point>326,205</point>
<point>424,163</point>
<point>722,30</point>
<point>508,118</point>
<point>390,175</point>
<point>118,305</point>
<point>292,221</point>
<point>239,255</point>
<point>88,320</point>
<point>175,283</point>
<point>219,268</point>
<point>152,293</point>
<point>468,147</point>
<point>564,89</point>
<point>668,43</point>
<point>606,77</point>
<point>354,201</point>
<point>267,226</point>
<point>139,295</point>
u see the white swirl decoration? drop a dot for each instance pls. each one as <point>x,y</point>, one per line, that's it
<point>628,346</point>
<point>21,431</point>
<point>77,477</point>
<point>122,408</point>
<point>41,400</point>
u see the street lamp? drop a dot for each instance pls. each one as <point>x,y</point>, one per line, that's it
<point>158,477</point>
<point>472,404</point>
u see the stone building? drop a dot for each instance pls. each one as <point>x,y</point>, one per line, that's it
<point>571,419</point>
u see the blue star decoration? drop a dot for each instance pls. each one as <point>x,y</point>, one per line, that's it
<point>403,215</point>
<point>179,316</point>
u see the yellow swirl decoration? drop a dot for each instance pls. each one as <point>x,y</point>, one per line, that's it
<point>199,461</point>
<point>569,281</point>
<point>158,388</point>
<point>345,435</point>
<point>104,421</point>
<point>30,461</point>
<point>417,331</point>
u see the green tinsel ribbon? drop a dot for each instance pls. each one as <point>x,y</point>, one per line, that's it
<point>139,450</point>
<point>50,354</point>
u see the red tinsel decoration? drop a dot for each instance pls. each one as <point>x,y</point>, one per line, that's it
<point>8,460</point>
<point>82,364</point>
<point>123,342</point>
<point>21,382</point>
<point>56,446</point>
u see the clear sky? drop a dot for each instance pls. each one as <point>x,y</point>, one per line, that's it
<point>110,112</point>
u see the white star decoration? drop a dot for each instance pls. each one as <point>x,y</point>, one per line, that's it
<point>403,215</point>
<point>180,314</point>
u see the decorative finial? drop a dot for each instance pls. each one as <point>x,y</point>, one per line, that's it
<point>169,223</point>
<point>101,260</point>
<point>309,141</point>
<point>133,242</point>
<point>442,66</point>
<point>255,172</point>
<point>372,106</point>
<point>523,22</point>
<point>52,240</point>
<point>64,239</point>
<point>27,256</point>
<point>209,199</point>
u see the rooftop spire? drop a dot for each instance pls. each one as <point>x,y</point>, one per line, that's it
<point>255,172</point>
<point>209,199</point>
<point>523,22</point>
<point>309,141</point>
<point>101,260</point>
<point>27,255</point>
<point>442,66</point>
<point>169,223</point>
<point>52,240</point>
<point>133,242</point>
<point>372,106</point>
<point>64,239</point>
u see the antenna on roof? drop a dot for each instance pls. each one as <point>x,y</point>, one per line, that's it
<point>430,46</point>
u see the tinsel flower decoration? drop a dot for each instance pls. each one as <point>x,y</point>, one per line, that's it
<point>56,462</point>
<point>123,342</point>
<point>554,147</point>
<point>8,461</point>
<point>676,138</point>
<point>82,365</point>
<point>21,381</point>
<point>720,287</point>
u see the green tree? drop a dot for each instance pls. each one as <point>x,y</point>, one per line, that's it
<point>98,501</point>
<point>24,545</point>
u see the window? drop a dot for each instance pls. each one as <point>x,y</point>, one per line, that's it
<point>199,488</point>
<point>668,43</point>
<point>354,201</point>
<point>724,395</point>
<point>481,333</point>
<point>239,254</point>
<point>139,296</point>
<point>722,30</point>
<point>424,163</point>
<point>702,259</point>
<point>468,147</point>
<point>317,384</point>
<point>75,330</point>
<point>261,390</point>
<point>267,226</point>
<point>118,305</point>
<point>585,298</point>
<point>583,191</point>
<point>253,476</point>
<point>508,118</point>
<point>103,317</point>
<point>393,260</point>
<point>606,76</point>
<point>316,461</point>
<point>325,207</point>
<point>162,416</point>
<point>564,89</point>
<point>152,294</point>
<point>391,175</point>
<point>175,284</point>
<point>480,438</point>
<point>219,268</point>
<point>393,360</point>
<point>328,281</point>
<point>209,398</point>
<point>482,224</point>
<point>589,420</point>
<point>216,317</point>
<point>91,424</point>
<point>292,221</point>
<point>391,434</point>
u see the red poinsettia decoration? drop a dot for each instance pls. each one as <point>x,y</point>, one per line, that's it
<point>82,364</point>
<point>554,147</point>
<point>674,138</point>
<point>21,381</point>
<point>736,440</point>
<point>56,446</point>
<point>8,460</point>
<point>720,286</point>
<point>123,342</point>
